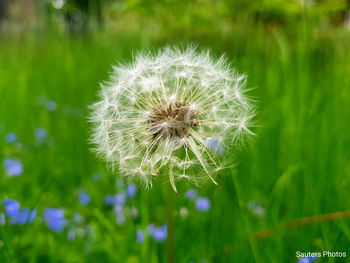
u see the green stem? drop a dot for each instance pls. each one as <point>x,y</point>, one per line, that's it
<point>171,227</point>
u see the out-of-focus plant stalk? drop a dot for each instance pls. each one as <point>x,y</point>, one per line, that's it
<point>170,225</point>
<point>299,222</point>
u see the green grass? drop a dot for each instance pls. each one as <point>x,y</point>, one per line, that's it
<point>298,166</point>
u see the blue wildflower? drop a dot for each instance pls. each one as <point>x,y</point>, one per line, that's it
<point>118,208</point>
<point>202,204</point>
<point>120,199</point>
<point>307,259</point>
<point>256,208</point>
<point>32,216</point>
<point>71,235</point>
<point>77,218</point>
<point>84,198</point>
<point>13,167</point>
<point>17,215</point>
<point>2,219</point>
<point>54,218</point>
<point>50,105</point>
<point>215,145</point>
<point>120,218</point>
<point>131,190</point>
<point>190,194</point>
<point>111,200</point>
<point>139,236</point>
<point>313,258</point>
<point>23,216</point>
<point>304,260</point>
<point>160,233</point>
<point>11,207</point>
<point>11,137</point>
<point>150,229</point>
<point>40,134</point>
<point>212,143</point>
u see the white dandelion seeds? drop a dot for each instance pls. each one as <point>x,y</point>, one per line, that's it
<point>171,115</point>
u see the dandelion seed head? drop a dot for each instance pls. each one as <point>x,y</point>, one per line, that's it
<point>159,112</point>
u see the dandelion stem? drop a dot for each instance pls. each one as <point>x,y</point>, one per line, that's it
<point>171,226</point>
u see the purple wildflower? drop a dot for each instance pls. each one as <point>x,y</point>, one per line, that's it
<point>111,200</point>
<point>23,216</point>
<point>54,219</point>
<point>307,259</point>
<point>40,134</point>
<point>13,167</point>
<point>150,229</point>
<point>11,137</point>
<point>2,219</point>
<point>215,145</point>
<point>304,260</point>
<point>120,218</point>
<point>77,218</point>
<point>190,194</point>
<point>139,236</point>
<point>71,235</point>
<point>118,209</point>
<point>120,199</point>
<point>50,105</point>
<point>202,204</point>
<point>256,208</point>
<point>84,198</point>
<point>160,233</point>
<point>11,207</point>
<point>131,190</point>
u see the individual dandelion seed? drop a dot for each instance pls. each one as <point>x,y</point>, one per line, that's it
<point>173,115</point>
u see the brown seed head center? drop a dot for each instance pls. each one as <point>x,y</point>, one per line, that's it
<point>177,119</point>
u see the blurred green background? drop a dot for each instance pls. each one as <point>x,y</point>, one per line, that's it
<point>54,54</point>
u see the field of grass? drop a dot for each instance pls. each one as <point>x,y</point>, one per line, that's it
<point>298,166</point>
